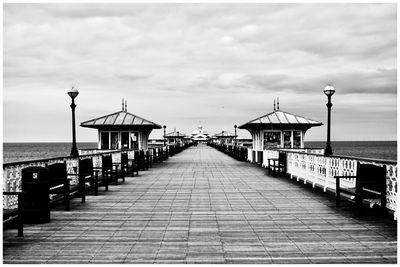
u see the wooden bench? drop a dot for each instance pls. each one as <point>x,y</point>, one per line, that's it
<point>13,216</point>
<point>125,169</point>
<point>155,155</point>
<point>60,186</point>
<point>370,184</point>
<point>134,164</point>
<point>143,162</point>
<point>277,165</point>
<point>109,170</point>
<point>149,158</point>
<point>163,153</point>
<point>88,172</point>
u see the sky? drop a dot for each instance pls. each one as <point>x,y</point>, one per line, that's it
<point>182,65</point>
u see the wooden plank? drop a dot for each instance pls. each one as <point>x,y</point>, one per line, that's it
<point>202,206</point>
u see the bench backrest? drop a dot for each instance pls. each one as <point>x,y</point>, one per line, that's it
<point>124,159</point>
<point>371,177</point>
<point>57,170</point>
<point>282,158</point>
<point>260,156</point>
<point>106,162</point>
<point>141,155</point>
<point>86,166</point>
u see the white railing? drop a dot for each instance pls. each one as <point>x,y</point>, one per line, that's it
<point>250,155</point>
<point>319,171</point>
<point>12,171</point>
<point>90,151</point>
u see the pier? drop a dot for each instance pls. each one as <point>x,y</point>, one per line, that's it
<point>202,206</point>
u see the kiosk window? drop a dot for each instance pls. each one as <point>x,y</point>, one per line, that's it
<point>125,140</point>
<point>272,139</point>
<point>134,141</point>
<point>297,139</point>
<point>104,140</point>
<point>114,140</point>
<point>287,139</point>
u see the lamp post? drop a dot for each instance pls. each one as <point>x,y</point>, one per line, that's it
<point>73,93</point>
<point>235,135</point>
<point>164,133</point>
<point>329,91</point>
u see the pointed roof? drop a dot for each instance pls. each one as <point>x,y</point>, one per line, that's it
<point>120,119</point>
<point>279,117</point>
<point>224,134</point>
<point>175,135</point>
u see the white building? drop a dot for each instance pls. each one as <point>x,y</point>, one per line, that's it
<point>200,135</point>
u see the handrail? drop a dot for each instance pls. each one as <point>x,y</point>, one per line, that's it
<point>383,161</point>
<point>9,164</point>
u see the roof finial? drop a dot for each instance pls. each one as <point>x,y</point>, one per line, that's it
<point>274,104</point>
<point>277,104</point>
<point>126,105</point>
<point>122,104</point>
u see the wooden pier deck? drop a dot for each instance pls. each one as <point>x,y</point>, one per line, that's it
<point>202,206</point>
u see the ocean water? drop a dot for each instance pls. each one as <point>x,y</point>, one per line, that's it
<point>14,152</point>
<point>364,149</point>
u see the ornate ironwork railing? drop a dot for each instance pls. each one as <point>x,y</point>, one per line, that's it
<point>311,166</point>
<point>320,171</point>
<point>12,171</point>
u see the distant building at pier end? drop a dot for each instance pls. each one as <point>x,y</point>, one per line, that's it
<point>122,130</point>
<point>279,129</point>
<point>200,135</point>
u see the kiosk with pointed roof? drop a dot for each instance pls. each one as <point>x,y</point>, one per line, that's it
<point>224,137</point>
<point>122,130</point>
<point>278,129</point>
<point>175,137</point>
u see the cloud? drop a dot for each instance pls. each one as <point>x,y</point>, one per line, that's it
<point>195,58</point>
<point>133,77</point>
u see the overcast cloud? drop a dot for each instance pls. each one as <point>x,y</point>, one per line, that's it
<point>178,64</point>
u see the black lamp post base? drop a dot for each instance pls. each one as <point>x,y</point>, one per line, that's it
<point>328,151</point>
<point>74,152</point>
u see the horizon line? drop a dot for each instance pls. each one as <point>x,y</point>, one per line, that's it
<point>161,138</point>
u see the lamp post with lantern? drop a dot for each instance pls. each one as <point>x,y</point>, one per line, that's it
<point>73,93</point>
<point>164,134</point>
<point>329,91</point>
<point>235,135</point>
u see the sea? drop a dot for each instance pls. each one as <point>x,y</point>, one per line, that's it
<point>15,152</point>
<point>364,149</point>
